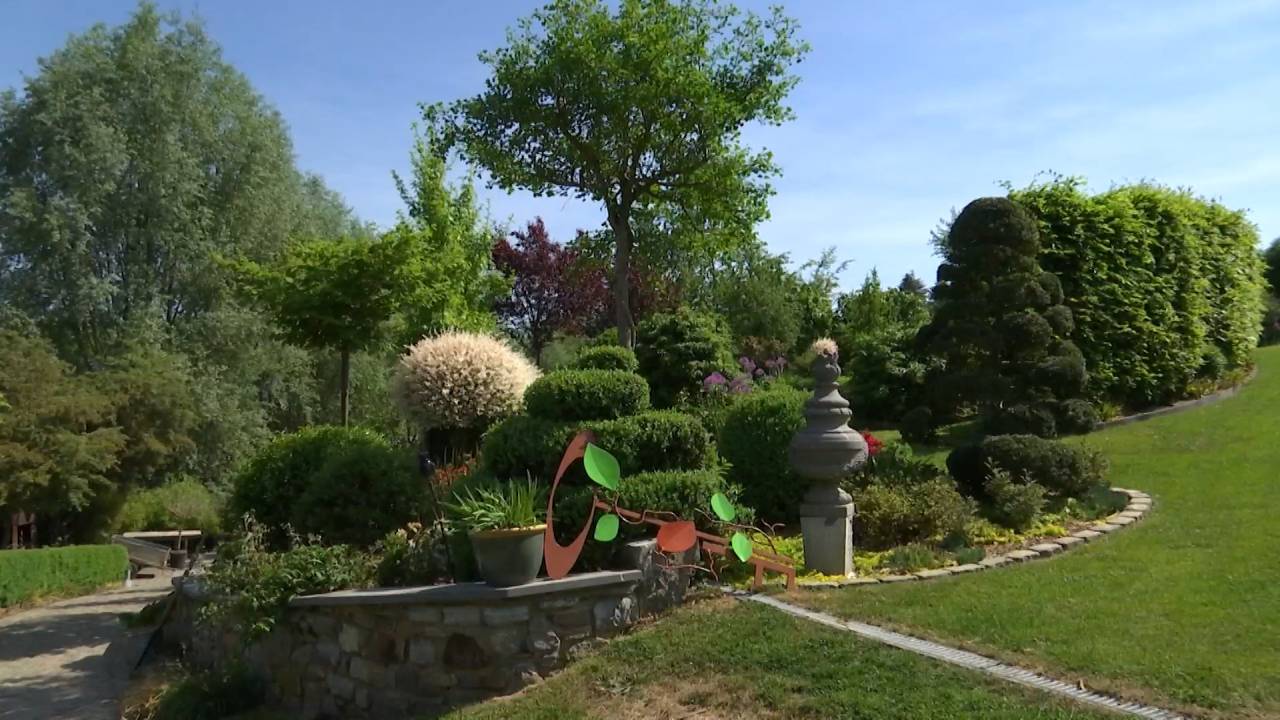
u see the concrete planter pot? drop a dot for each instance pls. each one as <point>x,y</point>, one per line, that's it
<point>508,557</point>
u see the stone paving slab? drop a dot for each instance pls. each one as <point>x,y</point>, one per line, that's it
<point>1086,535</point>
<point>71,660</point>
<point>1047,548</point>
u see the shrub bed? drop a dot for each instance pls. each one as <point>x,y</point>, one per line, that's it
<point>653,440</point>
<point>347,482</point>
<point>1064,471</point>
<point>29,574</point>
<point>587,395</point>
<point>182,505</point>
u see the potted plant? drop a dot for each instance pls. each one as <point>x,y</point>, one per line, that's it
<point>504,523</point>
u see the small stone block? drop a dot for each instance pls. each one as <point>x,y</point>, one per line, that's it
<point>994,561</point>
<point>818,584</point>
<point>1086,535</point>
<point>938,572</point>
<point>1130,514</point>
<point>1020,555</point>
<point>968,568</point>
<point>1104,527</point>
<point>425,615</point>
<point>1138,506</point>
<point>461,616</point>
<point>1046,548</point>
<point>506,615</point>
<point>349,638</point>
<point>897,578</point>
<point>1068,541</point>
<point>1121,520</point>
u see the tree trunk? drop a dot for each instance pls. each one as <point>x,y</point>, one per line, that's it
<point>344,387</point>
<point>621,227</point>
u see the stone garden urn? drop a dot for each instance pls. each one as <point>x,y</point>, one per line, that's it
<point>825,451</point>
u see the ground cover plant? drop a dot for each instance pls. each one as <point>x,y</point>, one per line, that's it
<point>27,575</point>
<point>1179,609</point>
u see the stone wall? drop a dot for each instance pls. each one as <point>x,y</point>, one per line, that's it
<point>404,652</point>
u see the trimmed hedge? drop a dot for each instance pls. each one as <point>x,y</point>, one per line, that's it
<point>315,465</point>
<point>1065,471</point>
<point>587,395</point>
<point>897,515</point>
<point>1156,279</point>
<point>29,574</point>
<point>607,357</point>
<point>757,430</point>
<point>677,351</point>
<point>687,493</point>
<point>654,440</point>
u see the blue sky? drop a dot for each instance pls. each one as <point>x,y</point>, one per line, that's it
<point>905,110</point>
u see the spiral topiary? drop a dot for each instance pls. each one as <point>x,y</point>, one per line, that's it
<point>462,380</point>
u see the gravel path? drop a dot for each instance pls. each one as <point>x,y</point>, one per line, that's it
<point>71,660</point>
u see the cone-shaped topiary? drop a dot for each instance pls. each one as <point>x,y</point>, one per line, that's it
<point>462,380</point>
<point>1000,324</point>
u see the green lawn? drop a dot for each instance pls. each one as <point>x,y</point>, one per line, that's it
<point>1182,609</point>
<point>724,659</point>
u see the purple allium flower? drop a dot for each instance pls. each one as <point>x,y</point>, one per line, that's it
<point>740,384</point>
<point>759,372</point>
<point>714,380</point>
<point>748,365</point>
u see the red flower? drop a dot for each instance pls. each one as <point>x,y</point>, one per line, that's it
<point>873,443</point>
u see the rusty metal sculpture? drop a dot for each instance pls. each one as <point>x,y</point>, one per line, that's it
<point>675,535</point>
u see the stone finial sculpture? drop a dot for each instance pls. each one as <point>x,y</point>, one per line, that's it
<point>824,451</point>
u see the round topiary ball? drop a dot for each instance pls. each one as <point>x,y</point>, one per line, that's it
<point>461,380</point>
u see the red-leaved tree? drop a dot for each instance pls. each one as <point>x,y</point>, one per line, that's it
<point>552,290</point>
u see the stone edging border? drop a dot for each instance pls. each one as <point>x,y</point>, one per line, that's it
<point>1138,506</point>
<point>1181,405</point>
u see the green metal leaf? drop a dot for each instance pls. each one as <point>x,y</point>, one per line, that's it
<point>602,467</point>
<point>742,546</point>
<point>724,509</point>
<point>607,527</point>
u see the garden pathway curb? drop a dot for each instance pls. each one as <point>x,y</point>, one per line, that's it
<point>1138,506</point>
<point>964,658</point>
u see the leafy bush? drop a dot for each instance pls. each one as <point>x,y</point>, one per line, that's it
<point>1064,471</point>
<point>182,505</point>
<point>607,357</point>
<point>886,375</point>
<point>271,486</point>
<point>359,495</point>
<point>1013,504</point>
<point>460,380</point>
<point>1076,417</point>
<point>29,574</point>
<point>886,516</point>
<point>1182,272</point>
<point>1021,419</point>
<point>653,440</point>
<point>895,465</point>
<point>917,426</point>
<point>757,431</point>
<point>676,351</point>
<point>910,558</point>
<point>250,586</point>
<point>412,555</point>
<point>587,395</point>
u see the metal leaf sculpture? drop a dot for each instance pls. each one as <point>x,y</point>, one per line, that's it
<point>675,535</point>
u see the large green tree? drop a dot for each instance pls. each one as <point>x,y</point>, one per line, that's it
<point>57,445</point>
<point>635,106</point>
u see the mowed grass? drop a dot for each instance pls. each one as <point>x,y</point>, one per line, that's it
<point>723,659</point>
<point>1182,608</point>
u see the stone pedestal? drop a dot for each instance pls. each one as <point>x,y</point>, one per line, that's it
<point>826,451</point>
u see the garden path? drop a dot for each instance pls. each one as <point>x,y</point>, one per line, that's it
<point>71,660</point>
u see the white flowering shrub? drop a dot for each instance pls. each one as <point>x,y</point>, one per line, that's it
<point>462,379</point>
<point>825,346</point>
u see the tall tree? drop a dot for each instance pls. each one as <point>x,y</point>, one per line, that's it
<point>448,229</point>
<point>551,289</point>
<point>132,155</point>
<point>912,284</point>
<point>337,294</point>
<point>638,107</point>
<point>1271,269</point>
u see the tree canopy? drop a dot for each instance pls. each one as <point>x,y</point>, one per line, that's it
<point>636,107</point>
